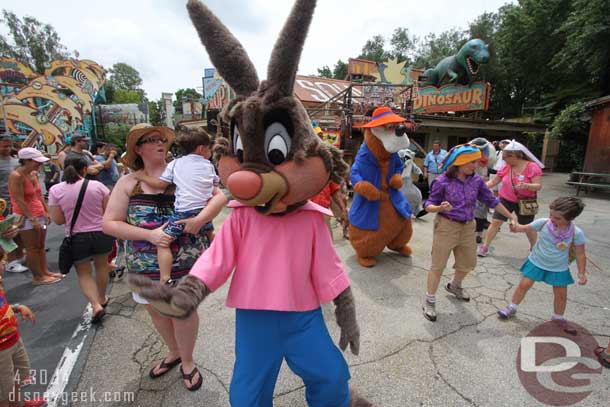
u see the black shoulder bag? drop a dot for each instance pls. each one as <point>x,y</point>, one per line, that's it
<point>65,260</point>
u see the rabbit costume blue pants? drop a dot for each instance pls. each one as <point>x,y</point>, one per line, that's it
<point>265,338</point>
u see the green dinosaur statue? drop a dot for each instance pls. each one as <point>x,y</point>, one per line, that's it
<point>460,68</point>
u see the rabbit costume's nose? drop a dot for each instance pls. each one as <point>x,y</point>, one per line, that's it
<point>244,184</point>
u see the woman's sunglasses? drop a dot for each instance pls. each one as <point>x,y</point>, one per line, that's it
<point>148,140</point>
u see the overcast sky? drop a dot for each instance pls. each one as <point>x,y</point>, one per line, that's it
<point>157,38</point>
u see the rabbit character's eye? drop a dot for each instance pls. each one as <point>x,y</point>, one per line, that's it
<point>277,143</point>
<point>238,147</point>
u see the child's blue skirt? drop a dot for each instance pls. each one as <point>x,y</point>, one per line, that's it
<point>554,278</point>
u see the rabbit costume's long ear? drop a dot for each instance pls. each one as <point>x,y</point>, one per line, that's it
<point>225,51</point>
<point>272,161</point>
<point>286,54</point>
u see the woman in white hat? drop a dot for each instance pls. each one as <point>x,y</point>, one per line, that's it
<point>27,201</point>
<point>137,213</point>
<point>521,178</point>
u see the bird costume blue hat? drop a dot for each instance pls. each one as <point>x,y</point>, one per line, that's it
<point>460,155</point>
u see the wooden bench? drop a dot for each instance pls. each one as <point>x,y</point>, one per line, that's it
<point>589,181</point>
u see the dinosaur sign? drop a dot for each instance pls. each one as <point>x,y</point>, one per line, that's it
<point>452,98</point>
<point>450,85</point>
<point>459,68</point>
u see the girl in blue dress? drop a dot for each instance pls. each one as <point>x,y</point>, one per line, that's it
<point>549,261</point>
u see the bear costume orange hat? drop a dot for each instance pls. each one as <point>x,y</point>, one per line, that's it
<point>380,216</point>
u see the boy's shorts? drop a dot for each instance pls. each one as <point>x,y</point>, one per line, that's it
<point>208,227</point>
<point>14,363</point>
<point>176,229</point>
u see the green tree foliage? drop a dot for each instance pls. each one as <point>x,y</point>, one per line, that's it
<point>116,133</point>
<point>570,123</point>
<point>155,113</point>
<point>586,51</point>
<point>124,85</point>
<point>527,41</point>
<point>29,41</point>
<point>340,70</point>
<point>571,128</point>
<point>109,92</point>
<point>485,27</point>
<point>325,72</point>
<point>124,76</point>
<point>373,49</point>
<point>435,47</point>
<point>189,94</point>
<point>403,45</point>
<point>122,96</point>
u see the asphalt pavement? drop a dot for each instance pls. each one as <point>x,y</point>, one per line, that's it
<point>59,310</point>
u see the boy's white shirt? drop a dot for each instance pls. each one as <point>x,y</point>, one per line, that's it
<point>195,180</point>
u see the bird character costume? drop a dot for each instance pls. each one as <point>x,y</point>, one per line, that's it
<point>274,243</point>
<point>488,161</point>
<point>488,155</point>
<point>409,189</point>
<point>380,216</point>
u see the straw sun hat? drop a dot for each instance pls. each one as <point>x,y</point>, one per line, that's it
<point>136,133</point>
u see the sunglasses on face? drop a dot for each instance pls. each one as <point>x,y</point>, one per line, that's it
<point>151,140</point>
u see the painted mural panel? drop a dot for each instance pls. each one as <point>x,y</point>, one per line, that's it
<point>42,110</point>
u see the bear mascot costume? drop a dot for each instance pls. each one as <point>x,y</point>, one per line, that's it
<point>274,243</point>
<point>380,216</point>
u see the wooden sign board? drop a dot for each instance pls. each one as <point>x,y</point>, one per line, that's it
<point>452,98</point>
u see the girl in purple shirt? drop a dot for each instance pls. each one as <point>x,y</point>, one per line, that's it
<point>454,196</point>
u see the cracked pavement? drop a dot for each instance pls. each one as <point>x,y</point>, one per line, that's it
<point>467,358</point>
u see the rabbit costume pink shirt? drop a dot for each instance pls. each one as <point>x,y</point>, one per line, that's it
<point>273,270</point>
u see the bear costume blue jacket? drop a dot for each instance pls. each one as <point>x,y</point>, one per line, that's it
<point>364,214</point>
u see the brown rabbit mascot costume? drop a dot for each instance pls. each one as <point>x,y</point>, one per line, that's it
<point>274,243</point>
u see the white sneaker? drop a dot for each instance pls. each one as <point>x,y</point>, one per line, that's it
<point>15,267</point>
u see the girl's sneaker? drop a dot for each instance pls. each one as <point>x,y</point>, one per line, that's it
<point>429,309</point>
<point>507,312</point>
<point>483,251</point>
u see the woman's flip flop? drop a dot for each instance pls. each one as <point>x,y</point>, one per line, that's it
<point>164,365</point>
<point>189,377</point>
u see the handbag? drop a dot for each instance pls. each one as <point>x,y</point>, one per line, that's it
<point>65,259</point>
<point>527,206</point>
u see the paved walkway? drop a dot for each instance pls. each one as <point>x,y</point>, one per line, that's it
<point>467,358</point>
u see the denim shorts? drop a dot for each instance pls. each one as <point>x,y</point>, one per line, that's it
<point>176,229</point>
<point>87,245</point>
